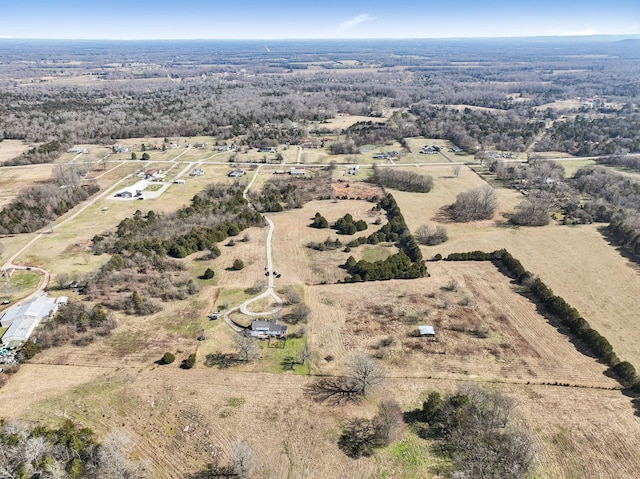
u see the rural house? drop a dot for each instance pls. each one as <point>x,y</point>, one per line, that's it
<point>265,329</point>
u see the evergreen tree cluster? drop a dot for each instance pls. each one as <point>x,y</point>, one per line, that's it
<point>347,226</point>
<point>319,221</point>
<point>406,264</point>
<point>272,197</point>
<point>214,214</point>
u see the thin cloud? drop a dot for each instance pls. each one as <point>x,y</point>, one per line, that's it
<point>579,33</point>
<point>355,21</point>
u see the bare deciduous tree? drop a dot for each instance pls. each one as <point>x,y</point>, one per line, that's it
<point>246,345</point>
<point>365,372</point>
<point>243,459</point>
<point>476,204</point>
<point>430,236</point>
<point>534,211</point>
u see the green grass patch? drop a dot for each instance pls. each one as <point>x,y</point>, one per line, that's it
<point>242,320</point>
<point>236,402</point>
<point>260,305</point>
<point>20,284</point>
<point>409,458</point>
<point>570,167</point>
<point>187,320</point>
<point>231,297</point>
<point>408,453</point>
<point>2,331</point>
<point>126,342</point>
<point>275,356</point>
<point>377,253</point>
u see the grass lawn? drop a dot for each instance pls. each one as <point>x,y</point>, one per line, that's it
<point>378,253</point>
<point>275,357</point>
<point>21,284</point>
<point>231,297</point>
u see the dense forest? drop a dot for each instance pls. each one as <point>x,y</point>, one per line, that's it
<point>490,95</point>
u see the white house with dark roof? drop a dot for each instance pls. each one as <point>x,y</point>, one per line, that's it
<point>264,329</point>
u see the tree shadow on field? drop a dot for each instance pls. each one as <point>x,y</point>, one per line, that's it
<point>562,329</point>
<point>634,259</point>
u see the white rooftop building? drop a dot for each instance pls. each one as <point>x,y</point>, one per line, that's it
<point>23,318</point>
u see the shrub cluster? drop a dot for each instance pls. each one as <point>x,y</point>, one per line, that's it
<point>77,323</point>
<point>474,428</point>
<point>326,245</point>
<point>429,236</point>
<point>68,451</point>
<point>347,226</point>
<point>319,221</point>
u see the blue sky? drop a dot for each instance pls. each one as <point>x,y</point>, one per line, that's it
<point>251,19</point>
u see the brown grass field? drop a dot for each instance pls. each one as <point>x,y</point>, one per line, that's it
<point>10,149</point>
<point>15,179</point>
<point>487,333</point>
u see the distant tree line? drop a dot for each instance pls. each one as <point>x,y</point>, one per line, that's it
<point>616,199</point>
<point>587,136</point>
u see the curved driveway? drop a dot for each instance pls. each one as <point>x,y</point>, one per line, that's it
<point>270,291</point>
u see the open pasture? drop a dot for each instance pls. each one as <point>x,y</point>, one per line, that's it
<point>10,149</point>
<point>15,179</point>
<point>300,264</point>
<point>484,329</point>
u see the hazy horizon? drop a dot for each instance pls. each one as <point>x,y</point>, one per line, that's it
<point>285,20</point>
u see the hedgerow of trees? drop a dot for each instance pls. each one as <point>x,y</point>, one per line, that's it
<point>406,264</point>
<point>597,344</point>
<point>38,205</point>
<point>402,180</point>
